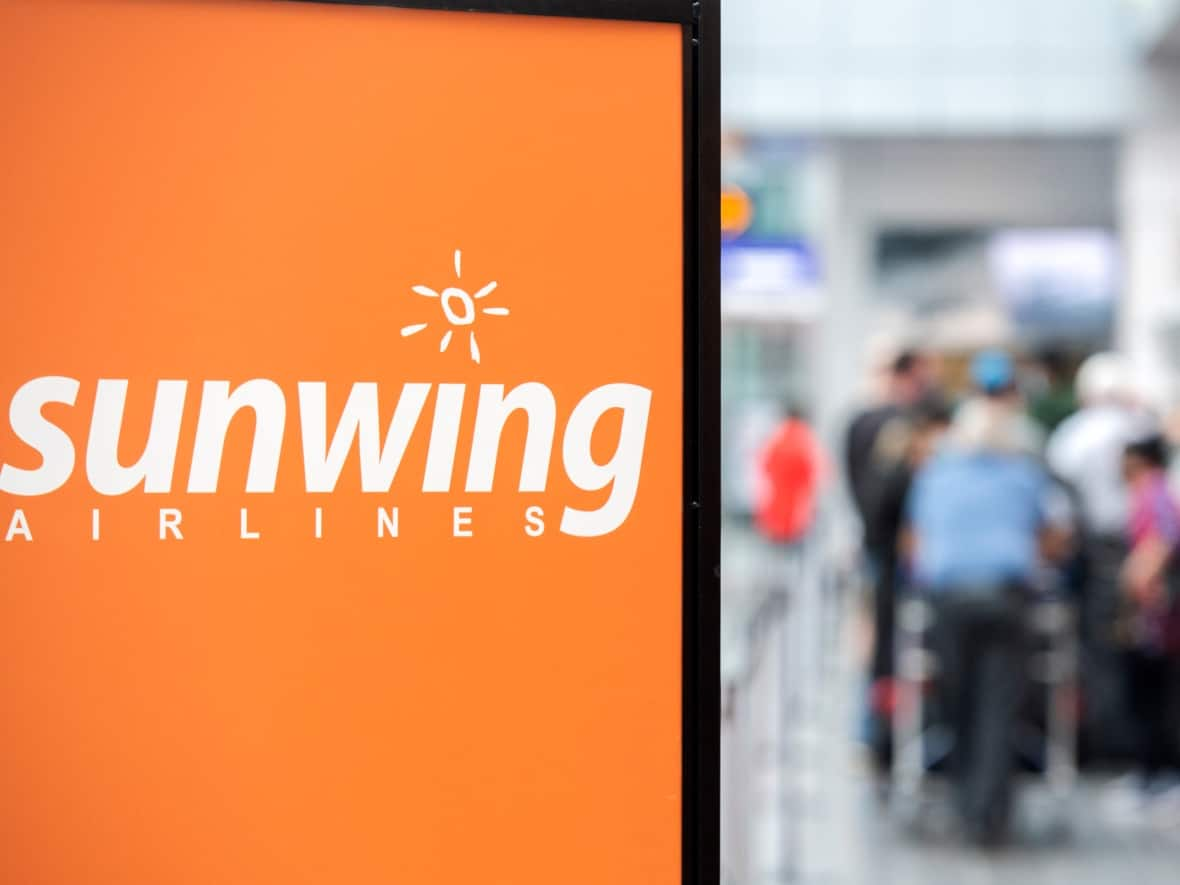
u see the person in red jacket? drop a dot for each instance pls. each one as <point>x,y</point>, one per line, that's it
<point>793,470</point>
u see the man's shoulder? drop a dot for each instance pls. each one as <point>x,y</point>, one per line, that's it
<point>1034,470</point>
<point>872,416</point>
<point>943,466</point>
<point>1071,426</point>
<point>952,461</point>
<point>1079,433</point>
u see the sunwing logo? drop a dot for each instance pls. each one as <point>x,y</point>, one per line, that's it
<point>358,429</point>
<point>459,310</point>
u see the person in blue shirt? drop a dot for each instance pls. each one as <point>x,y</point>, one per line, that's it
<point>979,518</point>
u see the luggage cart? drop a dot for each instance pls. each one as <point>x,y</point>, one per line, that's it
<point>1046,740</point>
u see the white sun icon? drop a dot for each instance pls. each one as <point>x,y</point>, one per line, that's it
<point>458,309</point>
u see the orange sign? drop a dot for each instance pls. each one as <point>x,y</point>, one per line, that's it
<point>341,487</point>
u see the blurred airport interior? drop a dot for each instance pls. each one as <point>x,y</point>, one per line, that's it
<point>928,180</point>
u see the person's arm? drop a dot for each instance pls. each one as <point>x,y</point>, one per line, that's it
<point>1143,572</point>
<point>1144,569</point>
<point>908,539</point>
<point>1057,519</point>
<point>1055,544</point>
<point>853,463</point>
<point>907,544</point>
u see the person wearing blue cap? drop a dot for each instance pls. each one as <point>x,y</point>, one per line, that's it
<point>978,519</point>
<point>995,418</point>
<point>993,372</point>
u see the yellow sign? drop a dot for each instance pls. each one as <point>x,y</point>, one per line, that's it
<point>737,211</point>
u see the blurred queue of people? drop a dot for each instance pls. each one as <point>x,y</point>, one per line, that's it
<point>1030,484</point>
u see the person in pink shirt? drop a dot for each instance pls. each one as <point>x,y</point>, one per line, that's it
<point>1150,577</point>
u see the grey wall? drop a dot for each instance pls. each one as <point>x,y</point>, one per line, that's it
<point>874,183</point>
<point>1150,207</point>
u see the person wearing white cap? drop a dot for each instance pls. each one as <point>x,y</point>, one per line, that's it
<point>1086,451</point>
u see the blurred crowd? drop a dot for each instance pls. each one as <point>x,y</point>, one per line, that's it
<point>1028,479</point>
